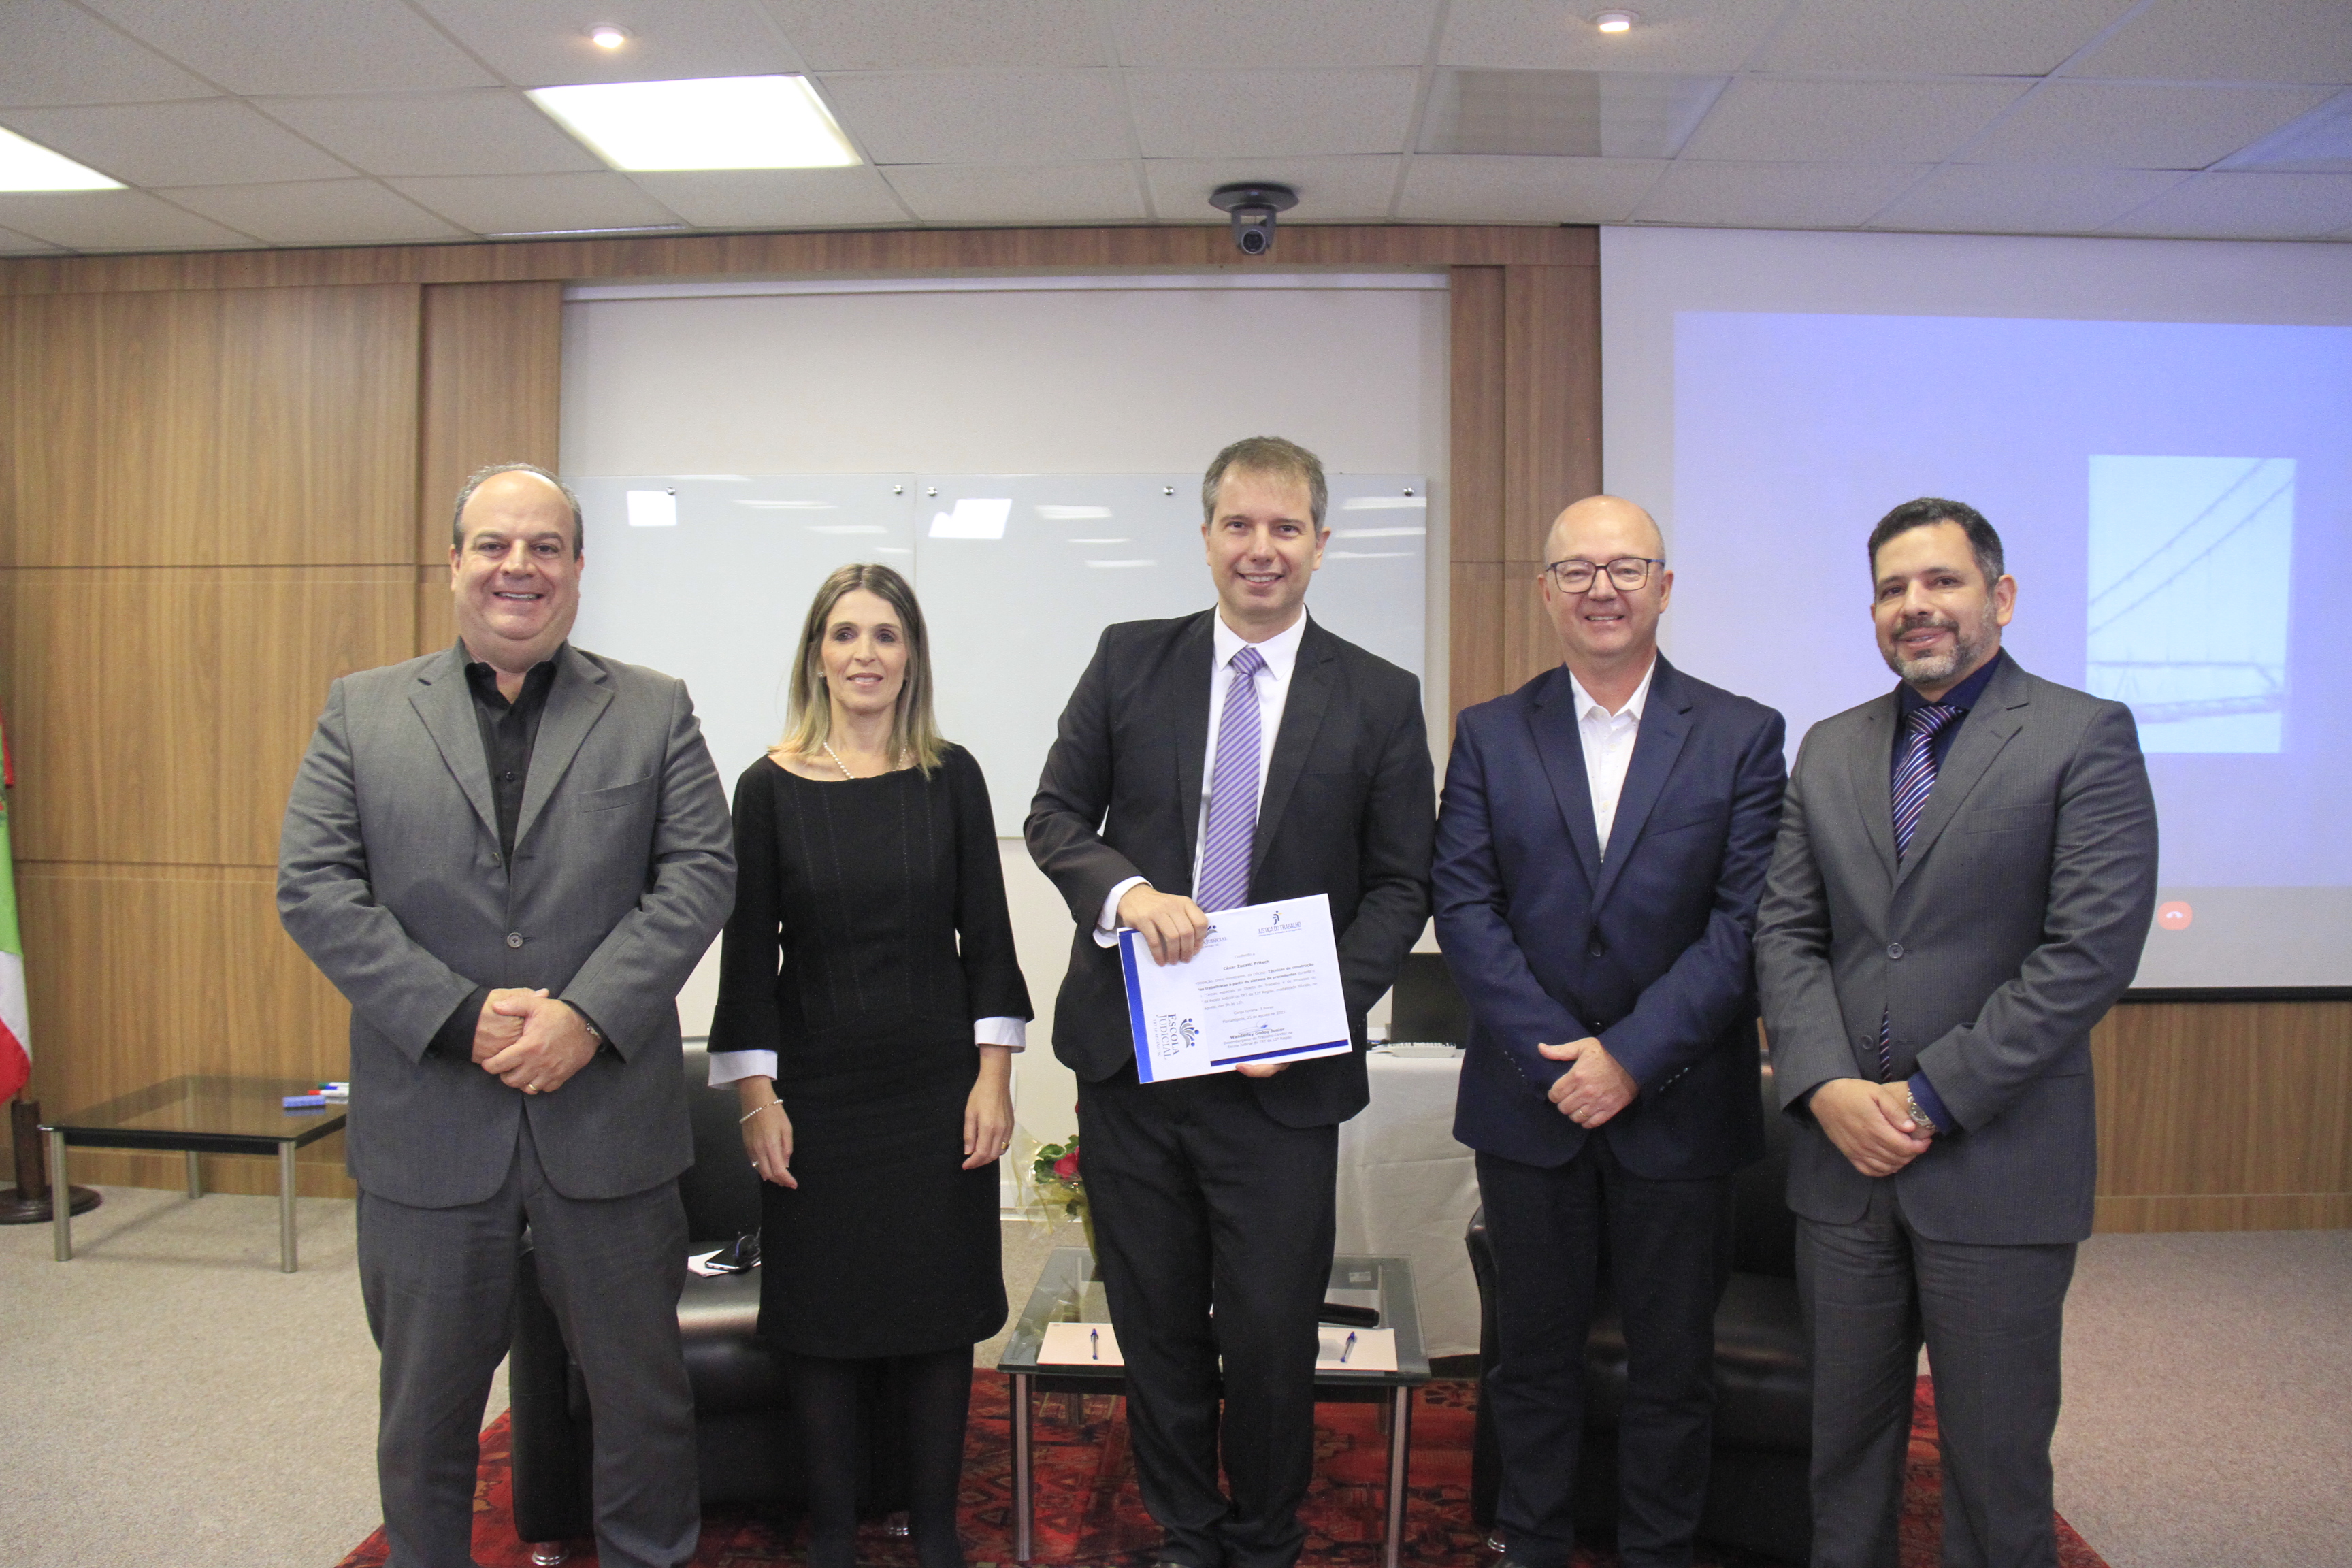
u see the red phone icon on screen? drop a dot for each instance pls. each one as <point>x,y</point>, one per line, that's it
<point>2174,915</point>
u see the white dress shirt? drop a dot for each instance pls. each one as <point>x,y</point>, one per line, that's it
<point>1609,746</point>
<point>1271,684</point>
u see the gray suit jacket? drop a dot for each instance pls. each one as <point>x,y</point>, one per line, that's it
<point>388,876</point>
<point>2006,933</point>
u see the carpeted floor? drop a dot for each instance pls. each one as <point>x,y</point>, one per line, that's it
<point>1088,1513</point>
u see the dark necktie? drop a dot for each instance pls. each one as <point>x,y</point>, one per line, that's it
<point>1233,792</point>
<point>1915,780</point>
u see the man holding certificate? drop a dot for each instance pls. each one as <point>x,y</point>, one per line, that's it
<point>1240,756</point>
<point>1600,857</point>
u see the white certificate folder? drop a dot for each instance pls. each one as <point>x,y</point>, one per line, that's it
<point>1265,987</point>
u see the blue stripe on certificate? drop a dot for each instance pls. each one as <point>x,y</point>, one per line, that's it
<point>1286,1051</point>
<point>1128,960</point>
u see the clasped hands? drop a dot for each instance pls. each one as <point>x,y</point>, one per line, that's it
<point>531,1041</point>
<point>1870,1123</point>
<point>1595,1088</point>
<point>1172,926</point>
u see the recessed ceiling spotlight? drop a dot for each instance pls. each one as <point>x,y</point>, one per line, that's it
<point>1616,21</point>
<point>608,37</point>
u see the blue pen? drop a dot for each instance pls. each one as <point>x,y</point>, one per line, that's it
<point>1346,1348</point>
<point>1094,1344</point>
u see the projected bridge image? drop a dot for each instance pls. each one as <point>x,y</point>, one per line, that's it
<point>2189,563</point>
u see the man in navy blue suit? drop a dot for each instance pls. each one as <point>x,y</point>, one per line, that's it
<point>1600,852</point>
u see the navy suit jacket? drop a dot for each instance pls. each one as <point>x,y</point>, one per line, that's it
<point>1649,950</point>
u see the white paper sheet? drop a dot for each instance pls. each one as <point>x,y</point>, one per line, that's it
<point>1265,987</point>
<point>1356,1350</point>
<point>1080,1344</point>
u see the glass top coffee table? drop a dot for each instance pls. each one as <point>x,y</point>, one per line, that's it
<point>198,1115</point>
<point>1069,1292</point>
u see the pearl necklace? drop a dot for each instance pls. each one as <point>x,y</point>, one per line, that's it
<point>904,758</point>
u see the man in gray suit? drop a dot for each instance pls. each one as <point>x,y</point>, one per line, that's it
<point>1963,881</point>
<point>508,855</point>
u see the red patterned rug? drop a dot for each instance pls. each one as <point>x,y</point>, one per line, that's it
<point>1088,1515</point>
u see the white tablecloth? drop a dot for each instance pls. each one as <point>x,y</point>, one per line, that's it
<point>1407,1189</point>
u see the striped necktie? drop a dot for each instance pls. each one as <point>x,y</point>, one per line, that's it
<point>1915,780</point>
<point>1223,882</point>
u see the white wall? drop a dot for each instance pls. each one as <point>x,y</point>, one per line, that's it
<point>1080,375</point>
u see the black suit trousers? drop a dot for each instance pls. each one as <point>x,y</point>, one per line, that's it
<point>1667,1249</point>
<point>1201,1197</point>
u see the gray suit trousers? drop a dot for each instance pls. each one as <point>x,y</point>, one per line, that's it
<point>1991,1318</point>
<point>440,1287</point>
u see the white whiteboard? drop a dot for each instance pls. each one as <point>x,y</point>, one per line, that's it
<point>1017,574</point>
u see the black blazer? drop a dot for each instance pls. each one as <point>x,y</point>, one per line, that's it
<point>1349,811</point>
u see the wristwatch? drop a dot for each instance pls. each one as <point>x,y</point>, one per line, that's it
<point>1911,1105</point>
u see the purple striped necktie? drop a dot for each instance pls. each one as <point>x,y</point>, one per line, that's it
<point>1223,882</point>
<point>1915,780</point>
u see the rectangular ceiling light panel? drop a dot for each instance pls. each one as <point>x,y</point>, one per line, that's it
<point>29,166</point>
<point>1566,114</point>
<point>717,123</point>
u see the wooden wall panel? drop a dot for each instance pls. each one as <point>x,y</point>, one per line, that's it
<point>159,713</point>
<point>492,391</point>
<point>1551,381</point>
<point>231,428</point>
<point>885,250</point>
<point>138,973</point>
<point>2224,1115</point>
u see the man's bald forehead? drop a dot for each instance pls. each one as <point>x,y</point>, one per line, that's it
<point>1612,513</point>
<point>513,488</point>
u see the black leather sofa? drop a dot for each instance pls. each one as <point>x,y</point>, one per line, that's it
<point>747,1450</point>
<point>1757,1497</point>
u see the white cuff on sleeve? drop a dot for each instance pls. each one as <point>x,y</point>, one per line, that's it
<point>726,1066</point>
<point>1009,1031</point>
<point>1107,924</point>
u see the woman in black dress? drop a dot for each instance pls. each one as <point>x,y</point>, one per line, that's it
<point>869,1004</point>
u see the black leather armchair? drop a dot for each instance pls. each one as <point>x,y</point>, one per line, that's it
<point>747,1447</point>
<point>1757,1495</point>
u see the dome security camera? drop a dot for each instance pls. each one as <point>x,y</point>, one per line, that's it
<point>1252,204</point>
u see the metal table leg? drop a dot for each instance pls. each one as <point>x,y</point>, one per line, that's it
<point>60,1198</point>
<point>1024,1479</point>
<point>1400,1460</point>
<point>196,1176</point>
<point>285,1208</point>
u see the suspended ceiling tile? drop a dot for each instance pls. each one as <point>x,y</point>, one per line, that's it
<point>2230,40</point>
<point>1525,190</point>
<point>883,35</point>
<point>1565,114</point>
<point>1708,37</point>
<point>111,220</point>
<point>1295,33</point>
<point>481,130</point>
<point>15,243</point>
<point>2133,125</point>
<point>212,142</point>
<point>2231,205</point>
<point>544,43</point>
<point>1019,193</point>
<point>982,117</point>
<point>537,204</point>
<point>2024,199</point>
<point>300,46</point>
<point>2319,142</point>
<point>1271,113</point>
<point>1330,190</point>
<point>318,212</point>
<point>1774,195</point>
<point>60,53</point>
<point>1801,120</point>
<point>1936,38</point>
<point>777,198</point>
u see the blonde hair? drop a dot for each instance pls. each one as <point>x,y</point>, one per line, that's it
<point>914,732</point>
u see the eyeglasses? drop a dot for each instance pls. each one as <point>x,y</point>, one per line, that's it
<point>1627,572</point>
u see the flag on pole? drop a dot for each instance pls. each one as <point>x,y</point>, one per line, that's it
<point>16,1036</point>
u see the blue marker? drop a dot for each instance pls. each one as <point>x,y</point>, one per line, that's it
<point>1346,1348</point>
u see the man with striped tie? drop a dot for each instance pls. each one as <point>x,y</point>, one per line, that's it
<point>1234,756</point>
<point>1964,878</point>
